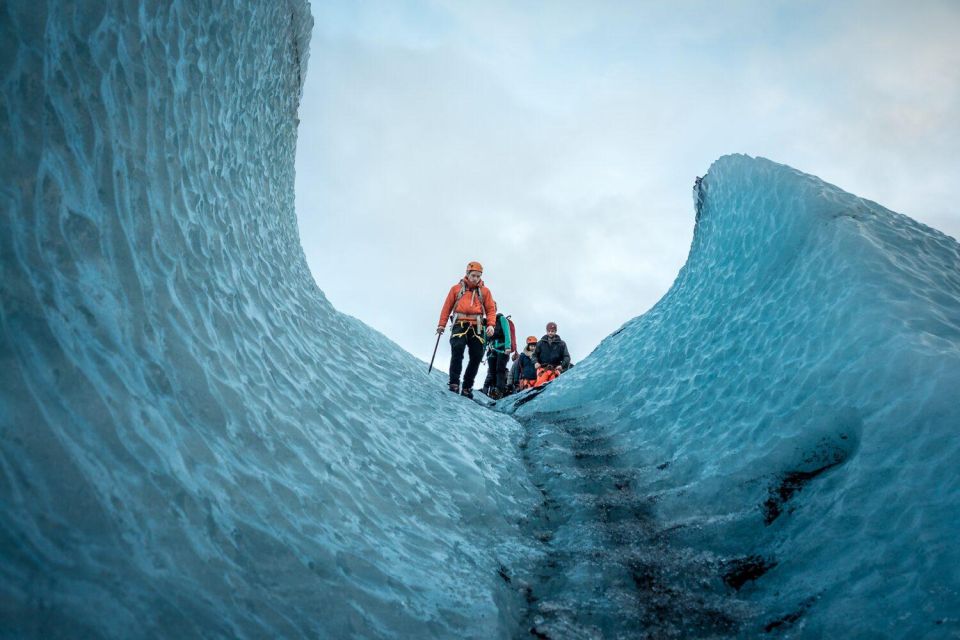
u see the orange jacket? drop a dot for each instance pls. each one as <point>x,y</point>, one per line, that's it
<point>469,304</point>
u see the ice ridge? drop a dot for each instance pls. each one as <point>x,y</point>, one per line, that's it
<point>785,419</point>
<point>193,442</point>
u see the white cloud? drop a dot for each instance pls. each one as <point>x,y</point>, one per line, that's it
<point>557,142</point>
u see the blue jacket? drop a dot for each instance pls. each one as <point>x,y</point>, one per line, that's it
<point>528,369</point>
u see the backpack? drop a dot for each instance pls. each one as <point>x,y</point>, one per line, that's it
<point>503,334</point>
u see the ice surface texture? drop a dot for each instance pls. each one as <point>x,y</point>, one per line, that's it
<point>791,406</point>
<point>193,442</point>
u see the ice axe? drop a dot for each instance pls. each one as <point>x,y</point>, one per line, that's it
<point>430,368</point>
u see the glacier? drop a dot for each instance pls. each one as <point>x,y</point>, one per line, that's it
<point>783,422</point>
<point>195,443</point>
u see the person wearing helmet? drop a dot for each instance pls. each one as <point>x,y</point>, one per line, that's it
<point>526,370</point>
<point>469,305</point>
<point>551,357</point>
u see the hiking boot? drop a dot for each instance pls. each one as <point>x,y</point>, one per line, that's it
<point>468,393</point>
<point>495,393</point>
<point>455,387</point>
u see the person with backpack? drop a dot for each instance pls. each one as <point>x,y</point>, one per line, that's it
<point>499,348</point>
<point>526,369</point>
<point>551,357</point>
<point>469,305</point>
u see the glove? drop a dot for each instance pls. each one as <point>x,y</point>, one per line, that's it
<point>489,332</point>
<point>440,330</point>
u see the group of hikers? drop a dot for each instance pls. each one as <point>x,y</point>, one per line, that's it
<point>478,328</point>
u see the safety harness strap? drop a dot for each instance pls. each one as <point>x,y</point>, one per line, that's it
<point>467,327</point>
<point>463,289</point>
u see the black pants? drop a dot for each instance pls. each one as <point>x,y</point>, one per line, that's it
<point>497,371</point>
<point>465,336</point>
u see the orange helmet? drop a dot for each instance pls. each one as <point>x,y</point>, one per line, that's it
<point>474,266</point>
<point>532,340</point>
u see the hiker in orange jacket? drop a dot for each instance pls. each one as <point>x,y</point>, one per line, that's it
<point>470,306</point>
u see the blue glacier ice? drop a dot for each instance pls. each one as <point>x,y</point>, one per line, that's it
<point>195,443</point>
<point>785,418</point>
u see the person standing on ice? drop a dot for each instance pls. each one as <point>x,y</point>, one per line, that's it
<point>470,306</point>
<point>499,349</point>
<point>551,357</point>
<point>526,370</point>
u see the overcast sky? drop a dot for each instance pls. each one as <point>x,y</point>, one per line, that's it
<point>557,142</point>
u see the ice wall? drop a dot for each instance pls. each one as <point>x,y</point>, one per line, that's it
<point>192,441</point>
<point>790,410</point>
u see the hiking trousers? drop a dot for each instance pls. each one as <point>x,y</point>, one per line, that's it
<point>497,371</point>
<point>465,337</point>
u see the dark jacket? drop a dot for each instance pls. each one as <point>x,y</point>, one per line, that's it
<point>552,351</point>
<point>528,370</point>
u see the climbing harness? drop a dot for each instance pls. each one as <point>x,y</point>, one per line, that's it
<point>477,292</point>
<point>467,328</point>
<point>465,325</point>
